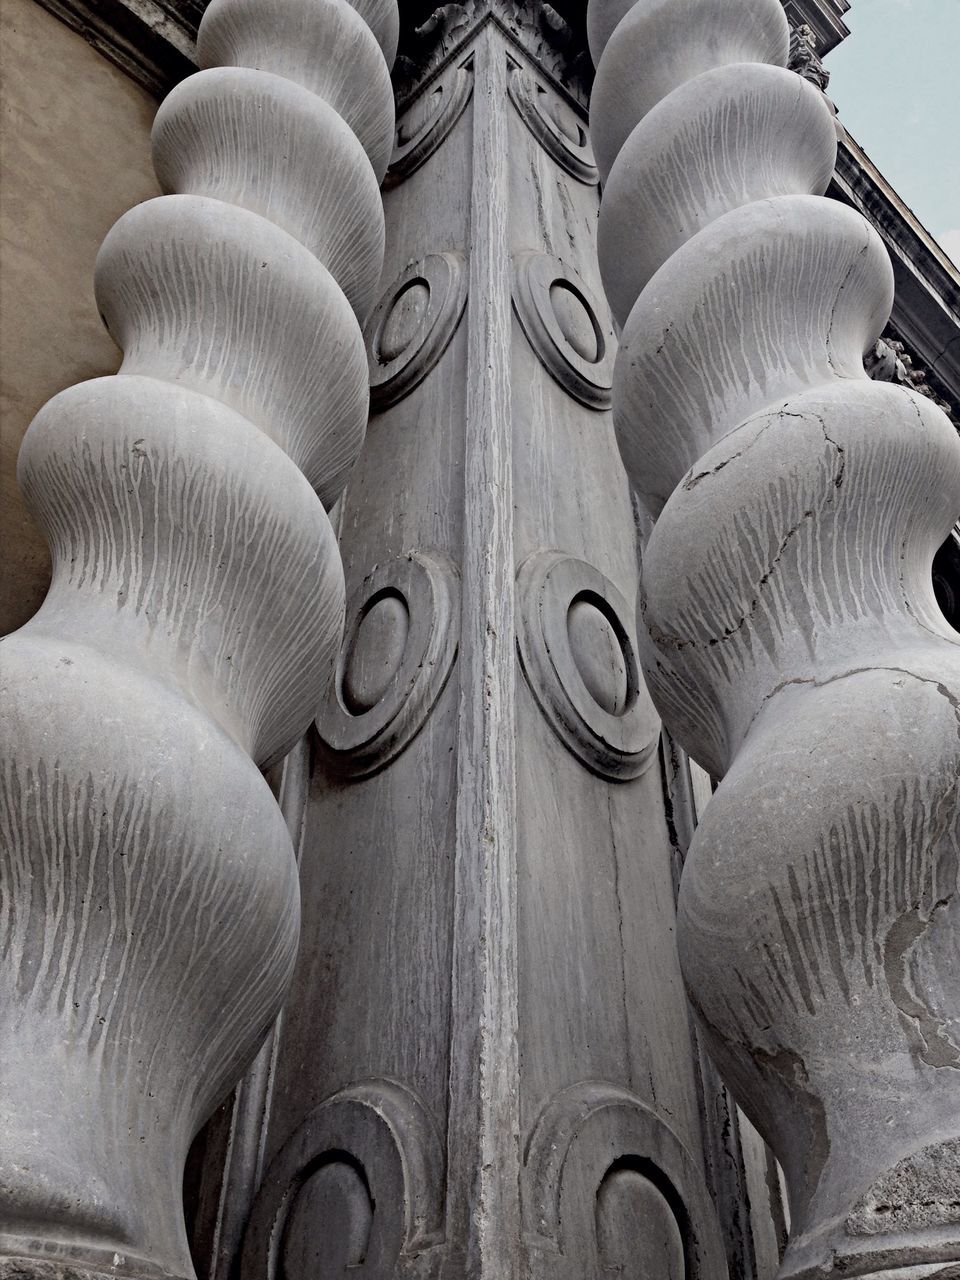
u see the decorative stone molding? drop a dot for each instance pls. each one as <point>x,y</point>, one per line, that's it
<point>375,1147</point>
<point>803,58</point>
<point>398,650</point>
<point>792,642</point>
<point>576,643</point>
<point>149,909</point>
<point>413,324</point>
<point>551,39</point>
<point>554,124</point>
<point>566,326</point>
<point>605,1174</point>
<point>888,361</point>
<point>427,121</point>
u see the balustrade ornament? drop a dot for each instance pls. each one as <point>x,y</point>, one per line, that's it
<point>398,650</point>
<point>788,628</point>
<point>149,897</point>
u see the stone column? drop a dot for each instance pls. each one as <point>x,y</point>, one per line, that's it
<point>789,630</point>
<point>485,1067</point>
<point>149,899</point>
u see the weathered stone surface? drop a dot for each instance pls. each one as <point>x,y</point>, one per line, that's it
<point>793,643</point>
<point>150,907</point>
<point>486,1066</point>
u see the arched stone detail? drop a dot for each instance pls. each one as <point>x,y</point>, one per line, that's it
<point>556,126</point>
<point>413,324</point>
<point>595,703</point>
<point>381,1140</point>
<point>585,1139</point>
<point>566,326</point>
<point>386,684</point>
<point>427,122</point>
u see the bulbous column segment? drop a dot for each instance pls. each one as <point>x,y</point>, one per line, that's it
<point>791,638</point>
<point>149,907</point>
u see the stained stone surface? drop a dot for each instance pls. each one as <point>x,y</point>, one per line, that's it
<point>149,913</point>
<point>789,631</point>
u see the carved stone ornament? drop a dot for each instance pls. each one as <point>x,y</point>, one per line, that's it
<point>359,1185</point>
<point>576,642</point>
<point>790,633</point>
<point>149,898</point>
<point>561,319</point>
<point>555,125</point>
<point>427,122</point>
<point>398,650</point>
<point>612,1189</point>
<point>412,325</point>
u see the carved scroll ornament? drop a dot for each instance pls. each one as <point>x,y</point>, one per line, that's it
<point>789,630</point>
<point>149,897</point>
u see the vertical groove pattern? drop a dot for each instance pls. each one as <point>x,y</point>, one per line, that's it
<point>148,902</point>
<point>791,638</point>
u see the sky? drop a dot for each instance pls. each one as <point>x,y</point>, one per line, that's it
<point>896,83</point>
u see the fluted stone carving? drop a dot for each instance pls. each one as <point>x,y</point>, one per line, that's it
<point>149,902</point>
<point>790,635</point>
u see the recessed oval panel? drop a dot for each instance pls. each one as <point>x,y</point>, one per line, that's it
<point>329,1224</point>
<point>598,654</point>
<point>638,1236</point>
<point>403,320</point>
<point>377,653</point>
<point>576,321</point>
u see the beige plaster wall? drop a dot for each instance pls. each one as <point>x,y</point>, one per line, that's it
<point>74,154</point>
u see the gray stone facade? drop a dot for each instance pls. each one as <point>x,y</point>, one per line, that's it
<point>493,476</point>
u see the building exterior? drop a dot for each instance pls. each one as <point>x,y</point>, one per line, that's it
<point>486,1064</point>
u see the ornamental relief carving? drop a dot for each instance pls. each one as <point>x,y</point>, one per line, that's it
<point>610,1187</point>
<point>428,121</point>
<point>412,324</point>
<point>578,651</point>
<point>566,326</point>
<point>555,125</point>
<point>399,646</point>
<point>358,1185</point>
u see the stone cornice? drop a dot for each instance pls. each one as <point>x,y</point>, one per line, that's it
<point>823,17</point>
<point>926,310</point>
<point>152,41</point>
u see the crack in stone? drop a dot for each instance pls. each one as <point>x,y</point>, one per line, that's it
<point>664,639</point>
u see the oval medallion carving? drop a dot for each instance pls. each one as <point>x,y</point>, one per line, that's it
<point>562,321</point>
<point>610,1186</point>
<point>579,655</point>
<point>357,1186</point>
<point>412,325</point>
<point>427,122</point>
<point>399,646</point>
<point>554,124</point>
